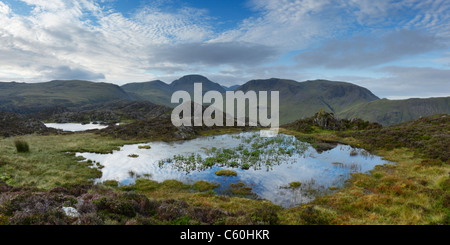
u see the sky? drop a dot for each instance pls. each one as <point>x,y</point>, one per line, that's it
<point>396,48</point>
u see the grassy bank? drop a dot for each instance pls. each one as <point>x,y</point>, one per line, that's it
<point>411,191</point>
<point>51,159</point>
<point>414,190</point>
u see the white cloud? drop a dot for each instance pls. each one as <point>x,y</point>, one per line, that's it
<point>363,51</point>
<point>286,24</point>
<point>80,35</point>
<point>4,9</point>
<point>86,39</point>
<point>396,82</point>
<point>300,24</point>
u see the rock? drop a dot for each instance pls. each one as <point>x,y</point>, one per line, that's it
<point>184,132</point>
<point>4,187</point>
<point>71,212</point>
<point>329,121</point>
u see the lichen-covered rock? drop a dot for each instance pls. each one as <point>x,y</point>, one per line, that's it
<point>71,212</point>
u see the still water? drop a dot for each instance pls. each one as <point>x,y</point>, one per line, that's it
<point>277,163</point>
<point>75,127</point>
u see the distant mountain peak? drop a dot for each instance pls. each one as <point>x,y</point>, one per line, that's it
<point>190,79</point>
<point>194,76</point>
<point>186,83</point>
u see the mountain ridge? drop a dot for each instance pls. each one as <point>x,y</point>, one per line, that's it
<point>297,99</point>
<point>304,99</point>
<point>390,112</point>
<point>160,92</point>
<point>33,97</point>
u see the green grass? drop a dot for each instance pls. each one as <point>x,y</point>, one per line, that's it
<point>225,173</point>
<point>202,185</point>
<point>144,147</point>
<point>390,112</point>
<point>22,146</point>
<point>295,184</point>
<point>69,93</point>
<point>52,161</point>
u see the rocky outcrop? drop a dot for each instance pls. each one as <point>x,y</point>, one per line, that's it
<point>104,113</point>
<point>12,124</point>
<point>329,121</point>
<point>160,128</point>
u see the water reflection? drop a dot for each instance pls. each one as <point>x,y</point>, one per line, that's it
<point>316,172</point>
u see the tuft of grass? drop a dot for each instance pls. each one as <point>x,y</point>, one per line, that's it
<point>227,173</point>
<point>22,146</point>
<point>144,147</point>
<point>133,155</point>
<point>240,189</point>
<point>202,186</point>
<point>292,185</point>
<point>295,184</point>
<point>111,183</point>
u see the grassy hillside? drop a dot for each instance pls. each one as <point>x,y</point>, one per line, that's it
<point>157,92</point>
<point>389,112</point>
<point>33,97</point>
<point>427,136</point>
<point>304,99</point>
<point>297,99</point>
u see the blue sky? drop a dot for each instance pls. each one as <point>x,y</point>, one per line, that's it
<point>398,49</point>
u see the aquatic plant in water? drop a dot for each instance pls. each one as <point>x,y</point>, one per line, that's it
<point>253,152</point>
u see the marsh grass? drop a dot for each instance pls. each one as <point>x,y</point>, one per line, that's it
<point>227,173</point>
<point>202,186</point>
<point>22,146</point>
<point>253,152</point>
<point>144,147</point>
<point>295,184</point>
<point>241,189</point>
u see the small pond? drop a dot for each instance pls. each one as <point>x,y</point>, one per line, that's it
<point>281,169</point>
<point>75,127</point>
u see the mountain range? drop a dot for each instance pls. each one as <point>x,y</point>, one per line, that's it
<point>297,99</point>
<point>34,97</point>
